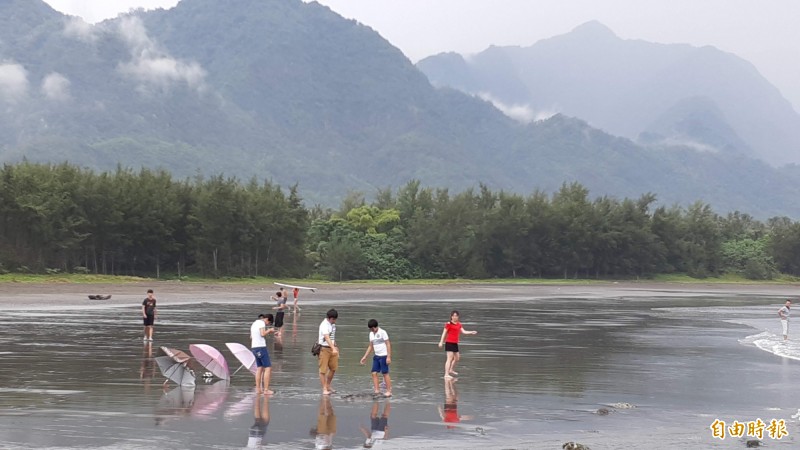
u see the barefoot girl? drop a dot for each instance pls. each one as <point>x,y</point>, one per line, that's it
<point>450,335</point>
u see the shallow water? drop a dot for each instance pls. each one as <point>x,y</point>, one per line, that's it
<point>535,376</point>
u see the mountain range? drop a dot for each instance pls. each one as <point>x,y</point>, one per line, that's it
<point>294,93</point>
<point>673,94</point>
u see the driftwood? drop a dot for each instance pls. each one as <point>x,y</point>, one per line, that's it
<point>100,297</point>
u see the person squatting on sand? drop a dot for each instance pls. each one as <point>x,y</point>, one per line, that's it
<point>450,334</point>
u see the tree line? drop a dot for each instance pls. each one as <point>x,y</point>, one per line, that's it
<point>57,218</point>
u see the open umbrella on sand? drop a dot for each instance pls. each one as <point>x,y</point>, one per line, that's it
<point>244,355</point>
<point>210,358</point>
<point>175,367</point>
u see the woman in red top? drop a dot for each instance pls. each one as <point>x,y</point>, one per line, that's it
<point>450,335</point>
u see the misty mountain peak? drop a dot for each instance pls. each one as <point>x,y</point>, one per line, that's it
<point>593,30</point>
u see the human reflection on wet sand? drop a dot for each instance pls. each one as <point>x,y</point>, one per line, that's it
<point>326,425</point>
<point>295,316</point>
<point>256,434</point>
<point>449,412</point>
<point>379,425</point>
<point>148,368</point>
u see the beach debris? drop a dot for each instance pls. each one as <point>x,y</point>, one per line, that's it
<point>361,396</point>
<point>602,412</point>
<point>574,446</point>
<point>480,430</point>
<point>622,405</point>
<point>753,443</point>
<point>796,415</point>
<point>100,297</point>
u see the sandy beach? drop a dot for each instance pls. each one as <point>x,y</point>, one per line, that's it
<point>72,295</point>
<point>545,361</point>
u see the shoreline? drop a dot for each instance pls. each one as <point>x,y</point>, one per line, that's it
<point>58,296</point>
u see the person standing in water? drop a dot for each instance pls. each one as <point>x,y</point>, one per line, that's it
<point>783,313</point>
<point>258,345</point>
<point>329,353</point>
<point>280,306</point>
<point>452,331</point>
<point>380,345</point>
<point>149,313</point>
<point>296,296</point>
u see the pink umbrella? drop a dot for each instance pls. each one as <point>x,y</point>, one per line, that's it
<point>211,359</point>
<point>244,355</point>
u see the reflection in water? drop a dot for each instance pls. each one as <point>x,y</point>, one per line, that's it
<point>256,434</point>
<point>379,425</point>
<point>449,412</point>
<point>326,425</point>
<point>175,403</point>
<point>148,368</point>
<point>675,363</point>
<point>209,398</point>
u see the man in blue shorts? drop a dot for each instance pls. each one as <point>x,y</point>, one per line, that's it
<point>258,344</point>
<point>379,343</point>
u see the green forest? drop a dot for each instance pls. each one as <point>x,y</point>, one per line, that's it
<point>62,218</point>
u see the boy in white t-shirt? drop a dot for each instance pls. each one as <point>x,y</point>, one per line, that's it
<point>379,343</point>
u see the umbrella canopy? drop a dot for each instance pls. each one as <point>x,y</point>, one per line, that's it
<point>244,355</point>
<point>178,372</point>
<point>211,359</point>
<point>177,355</point>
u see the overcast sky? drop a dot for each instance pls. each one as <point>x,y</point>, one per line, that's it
<point>764,32</point>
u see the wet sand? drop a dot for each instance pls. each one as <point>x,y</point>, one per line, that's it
<point>71,295</point>
<point>547,358</point>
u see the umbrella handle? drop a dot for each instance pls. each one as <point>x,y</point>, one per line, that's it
<point>237,370</point>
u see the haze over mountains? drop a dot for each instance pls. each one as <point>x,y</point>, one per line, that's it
<point>292,92</point>
<point>672,93</point>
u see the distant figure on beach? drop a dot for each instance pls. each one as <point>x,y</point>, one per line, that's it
<point>149,313</point>
<point>450,335</point>
<point>783,313</point>
<point>258,345</point>
<point>296,296</point>
<point>326,425</point>
<point>255,438</point>
<point>280,306</point>
<point>449,412</point>
<point>379,425</point>
<point>329,354</point>
<point>379,343</point>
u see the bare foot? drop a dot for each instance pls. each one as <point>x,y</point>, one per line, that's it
<point>327,392</point>
<point>453,372</point>
<point>268,392</point>
<point>448,377</point>
<point>387,395</point>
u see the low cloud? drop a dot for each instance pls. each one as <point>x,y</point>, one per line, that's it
<point>520,113</point>
<point>77,28</point>
<point>153,67</point>
<point>56,87</point>
<point>13,82</point>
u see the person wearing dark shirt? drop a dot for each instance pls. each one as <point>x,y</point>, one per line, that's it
<point>149,313</point>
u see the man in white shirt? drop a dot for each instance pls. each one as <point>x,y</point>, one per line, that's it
<point>329,354</point>
<point>258,345</point>
<point>783,313</point>
<point>379,343</point>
